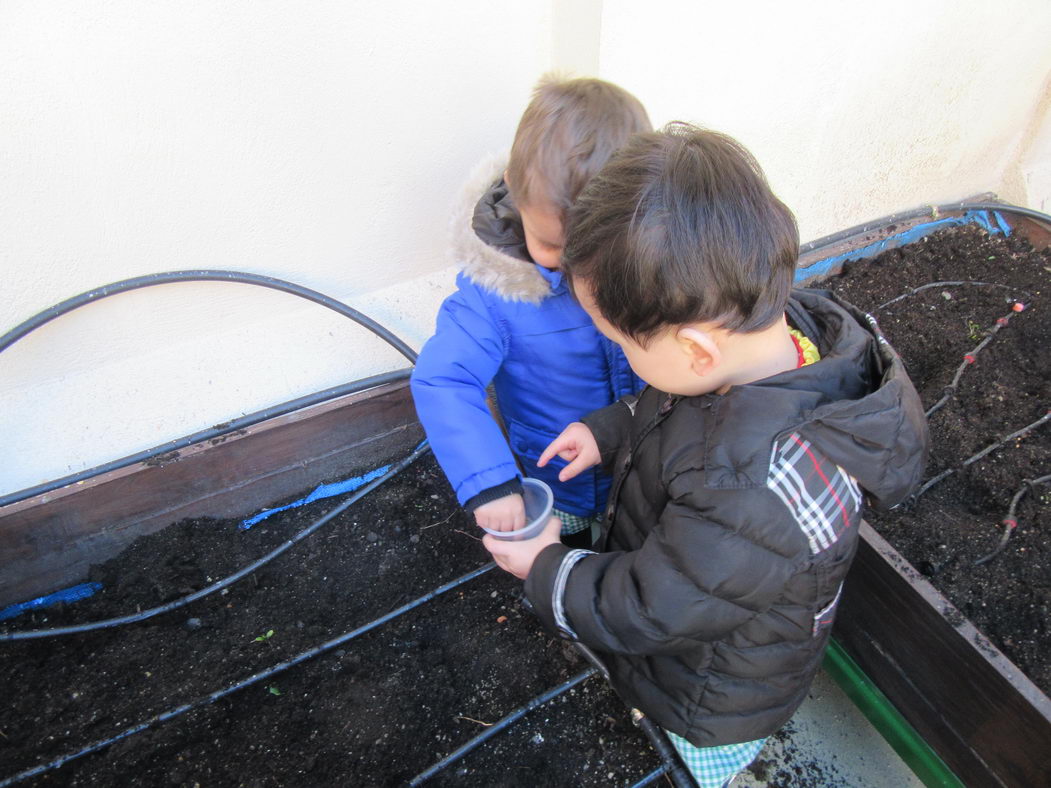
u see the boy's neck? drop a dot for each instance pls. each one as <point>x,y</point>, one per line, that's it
<point>760,354</point>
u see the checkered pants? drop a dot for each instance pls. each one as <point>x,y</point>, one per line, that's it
<point>715,767</point>
<point>572,524</point>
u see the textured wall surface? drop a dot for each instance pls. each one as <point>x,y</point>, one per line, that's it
<point>322,143</point>
<point>855,110</point>
<point>325,142</point>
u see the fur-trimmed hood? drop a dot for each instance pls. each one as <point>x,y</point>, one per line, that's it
<point>487,239</point>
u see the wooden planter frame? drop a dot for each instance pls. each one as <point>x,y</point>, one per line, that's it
<point>987,721</point>
<point>49,541</point>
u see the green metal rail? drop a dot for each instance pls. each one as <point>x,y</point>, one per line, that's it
<point>885,718</point>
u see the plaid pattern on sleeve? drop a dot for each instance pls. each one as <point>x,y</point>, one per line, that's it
<point>822,497</point>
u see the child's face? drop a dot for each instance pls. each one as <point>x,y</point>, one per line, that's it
<point>543,234</point>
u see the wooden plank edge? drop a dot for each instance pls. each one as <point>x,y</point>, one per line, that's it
<point>48,542</point>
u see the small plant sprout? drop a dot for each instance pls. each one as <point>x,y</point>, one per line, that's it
<point>974,330</point>
<point>273,690</point>
<point>264,638</point>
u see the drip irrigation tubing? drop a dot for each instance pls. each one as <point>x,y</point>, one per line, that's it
<point>497,727</point>
<point>975,457</point>
<point>651,778</point>
<point>678,773</point>
<point>673,766</point>
<point>255,678</point>
<point>1010,522</point>
<point>968,360</point>
<point>206,275</point>
<point>929,285</point>
<point>227,581</point>
<point>932,211</point>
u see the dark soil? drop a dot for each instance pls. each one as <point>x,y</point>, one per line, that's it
<point>959,520</point>
<point>372,712</point>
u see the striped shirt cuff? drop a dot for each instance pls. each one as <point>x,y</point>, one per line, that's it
<point>561,578</point>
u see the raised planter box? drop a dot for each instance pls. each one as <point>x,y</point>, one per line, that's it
<point>988,722</point>
<point>982,716</point>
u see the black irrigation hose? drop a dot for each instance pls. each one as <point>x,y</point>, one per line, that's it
<point>975,457</point>
<point>255,678</point>
<point>497,727</point>
<point>205,275</point>
<point>677,772</point>
<point>672,764</point>
<point>1010,522</point>
<point>227,581</point>
<point>932,211</point>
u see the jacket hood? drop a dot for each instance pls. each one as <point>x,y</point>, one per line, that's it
<point>857,405</point>
<point>487,239</point>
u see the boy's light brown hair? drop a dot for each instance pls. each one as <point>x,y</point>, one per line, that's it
<point>681,227</point>
<point>569,130</point>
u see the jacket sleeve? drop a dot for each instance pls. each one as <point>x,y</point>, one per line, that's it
<point>611,427</point>
<point>448,387</point>
<point>694,579</point>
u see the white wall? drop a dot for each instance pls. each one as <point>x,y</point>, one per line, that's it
<point>323,143</point>
<point>1034,167</point>
<point>854,109</point>
<point>318,142</point>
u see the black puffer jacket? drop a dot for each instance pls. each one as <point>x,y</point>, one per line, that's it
<point>732,523</point>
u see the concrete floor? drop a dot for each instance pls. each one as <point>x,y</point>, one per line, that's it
<point>827,743</point>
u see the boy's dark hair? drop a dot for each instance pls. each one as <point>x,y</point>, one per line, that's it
<point>680,226</point>
<point>568,131</point>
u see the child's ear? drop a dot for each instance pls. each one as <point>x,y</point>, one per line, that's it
<point>701,348</point>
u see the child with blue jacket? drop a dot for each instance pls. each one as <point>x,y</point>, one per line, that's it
<point>513,322</point>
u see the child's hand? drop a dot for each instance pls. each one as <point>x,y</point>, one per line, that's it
<point>577,446</point>
<point>517,557</point>
<point>503,514</point>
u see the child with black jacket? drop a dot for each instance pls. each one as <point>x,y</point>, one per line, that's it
<point>740,471</point>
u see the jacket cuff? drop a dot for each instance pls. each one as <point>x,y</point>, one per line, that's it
<point>510,487</point>
<point>545,586</point>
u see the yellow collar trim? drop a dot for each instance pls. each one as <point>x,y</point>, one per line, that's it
<point>810,351</point>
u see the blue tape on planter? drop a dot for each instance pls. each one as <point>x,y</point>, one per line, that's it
<point>326,491</point>
<point>993,223</point>
<point>72,594</point>
<point>323,491</point>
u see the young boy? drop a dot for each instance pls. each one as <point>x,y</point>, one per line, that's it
<point>739,471</point>
<point>513,321</point>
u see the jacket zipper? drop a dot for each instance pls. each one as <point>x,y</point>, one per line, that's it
<point>665,408</point>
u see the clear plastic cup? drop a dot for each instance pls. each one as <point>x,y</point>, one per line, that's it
<point>539,501</point>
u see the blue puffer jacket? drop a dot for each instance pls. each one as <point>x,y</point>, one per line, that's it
<point>515,324</point>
